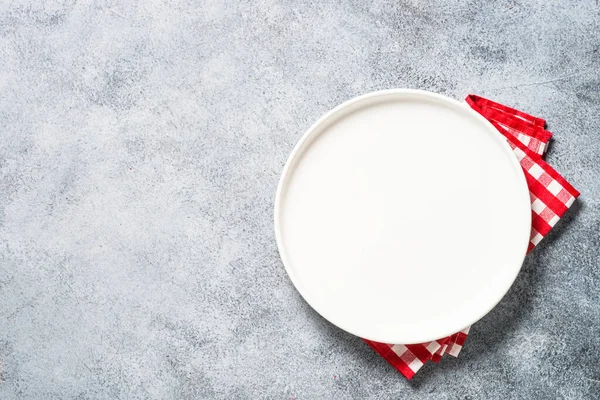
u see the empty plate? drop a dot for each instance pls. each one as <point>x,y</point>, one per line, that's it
<point>402,216</point>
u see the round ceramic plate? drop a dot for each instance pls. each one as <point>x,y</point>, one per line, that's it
<point>402,216</point>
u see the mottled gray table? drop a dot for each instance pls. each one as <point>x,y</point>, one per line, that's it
<point>140,148</point>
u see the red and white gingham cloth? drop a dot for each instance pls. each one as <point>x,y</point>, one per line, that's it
<point>551,196</point>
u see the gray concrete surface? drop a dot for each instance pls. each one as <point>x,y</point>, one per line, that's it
<point>140,147</point>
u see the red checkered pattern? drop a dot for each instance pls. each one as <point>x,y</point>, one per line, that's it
<point>528,129</point>
<point>407,359</point>
<point>551,196</point>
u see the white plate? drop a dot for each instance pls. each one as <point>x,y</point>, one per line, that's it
<point>402,216</point>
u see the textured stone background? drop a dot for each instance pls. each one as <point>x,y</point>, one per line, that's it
<point>140,148</point>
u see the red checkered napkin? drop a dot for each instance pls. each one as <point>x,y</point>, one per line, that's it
<point>551,196</point>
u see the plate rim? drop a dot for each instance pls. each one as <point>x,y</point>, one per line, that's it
<point>333,113</point>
